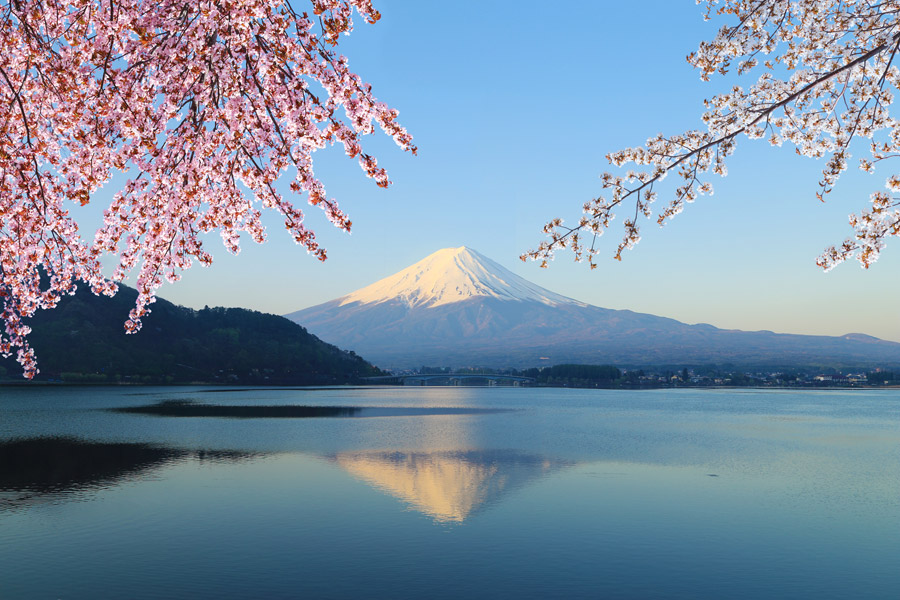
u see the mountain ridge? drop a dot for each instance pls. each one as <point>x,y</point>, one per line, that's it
<point>519,324</point>
<point>83,340</point>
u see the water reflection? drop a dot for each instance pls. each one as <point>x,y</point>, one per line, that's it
<point>447,485</point>
<point>182,408</point>
<point>42,469</point>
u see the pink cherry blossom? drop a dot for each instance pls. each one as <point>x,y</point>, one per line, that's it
<point>198,103</point>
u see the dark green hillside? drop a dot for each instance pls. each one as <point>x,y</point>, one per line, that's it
<point>83,340</point>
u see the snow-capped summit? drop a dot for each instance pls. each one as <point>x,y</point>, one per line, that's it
<point>453,275</point>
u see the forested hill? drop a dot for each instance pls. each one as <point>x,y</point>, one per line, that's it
<point>83,340</point>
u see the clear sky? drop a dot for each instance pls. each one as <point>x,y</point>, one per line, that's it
<point>513,106</point>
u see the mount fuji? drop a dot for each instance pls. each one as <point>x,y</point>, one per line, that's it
<point>458,308</point>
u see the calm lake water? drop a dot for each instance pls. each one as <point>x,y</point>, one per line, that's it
<point>449,493</point>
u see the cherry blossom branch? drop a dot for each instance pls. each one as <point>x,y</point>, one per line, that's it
<point>839,41</point>
<point>196,99</point>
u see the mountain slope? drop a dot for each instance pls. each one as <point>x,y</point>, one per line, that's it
<point>82,339</point>
<point>458,308</point>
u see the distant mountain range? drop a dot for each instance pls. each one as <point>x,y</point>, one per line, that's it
<point>83,340</point>
<point>459,308</point>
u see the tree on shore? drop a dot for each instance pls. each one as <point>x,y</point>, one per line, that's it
<point>203,105</point>
<point>825,77</point>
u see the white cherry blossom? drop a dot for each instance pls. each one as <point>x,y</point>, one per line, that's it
<point>826,78</point>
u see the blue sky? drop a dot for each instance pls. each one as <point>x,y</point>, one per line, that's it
<point>513,107</point>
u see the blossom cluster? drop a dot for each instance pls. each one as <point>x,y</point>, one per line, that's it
<point>204,105</point>
<point>825,76</point>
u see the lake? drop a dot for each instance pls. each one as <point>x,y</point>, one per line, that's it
<point>448,492</point>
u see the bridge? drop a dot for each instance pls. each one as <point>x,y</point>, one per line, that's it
<point>450,379</point>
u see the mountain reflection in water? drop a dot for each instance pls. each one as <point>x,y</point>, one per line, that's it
<point>34,470</point>
<point>451,485</point>
<point>441,474</point>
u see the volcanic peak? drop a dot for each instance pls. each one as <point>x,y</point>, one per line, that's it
<point>453,275</point>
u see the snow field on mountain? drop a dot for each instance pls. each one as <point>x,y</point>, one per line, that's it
<point>453,275</point>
